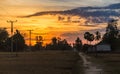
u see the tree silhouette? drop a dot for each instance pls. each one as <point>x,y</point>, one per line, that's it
<point>78,44</point>
<point>89,37</point>
<point>54,40</point>
<point>3,37</point>
<point>53,45</point>
<point>98,36</point>
<point>39,43</point>
<point>112,35</point>
<point>58,44</point>
<point>112,25</point>
<point>39,40</point>
<point>111,31</point>
<point>86,36</point>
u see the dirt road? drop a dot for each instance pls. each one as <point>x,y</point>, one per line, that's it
<point>89,66</point>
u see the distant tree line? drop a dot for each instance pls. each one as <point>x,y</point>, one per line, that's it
<point>19,43</point>
<point>58,44</point>
<point>112,37</point>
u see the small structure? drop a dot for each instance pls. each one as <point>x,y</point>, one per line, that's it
<point>101,47</point>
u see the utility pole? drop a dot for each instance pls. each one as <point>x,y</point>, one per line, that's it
<point>12,22</point>
<point>30,32</point>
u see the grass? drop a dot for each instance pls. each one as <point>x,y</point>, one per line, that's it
<point>42,62</point>
<point>110,62</point>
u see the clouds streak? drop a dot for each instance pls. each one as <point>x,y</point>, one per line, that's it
<point>50,5</point>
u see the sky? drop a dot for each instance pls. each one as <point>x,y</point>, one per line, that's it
<point>24,7</point>
<point>48,26</point>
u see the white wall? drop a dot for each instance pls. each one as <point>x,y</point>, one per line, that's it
<point>103,47</point>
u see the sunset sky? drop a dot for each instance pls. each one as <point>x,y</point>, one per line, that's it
<point>47,25</point>
<point>24,7</point>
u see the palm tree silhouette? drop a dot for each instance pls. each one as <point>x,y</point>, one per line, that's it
<point>98,36</point>
<point>89,37</point>
<point>86,36</point>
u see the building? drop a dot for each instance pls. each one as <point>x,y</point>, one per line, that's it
<point>101,47</point>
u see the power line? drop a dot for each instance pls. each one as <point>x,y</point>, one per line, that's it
<point>30,32</point>
<point>11,22</point>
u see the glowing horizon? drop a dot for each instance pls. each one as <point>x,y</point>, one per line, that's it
<point>48,26</point>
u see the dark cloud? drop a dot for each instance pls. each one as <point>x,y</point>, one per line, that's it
<point>89,25</point>
<point>78,3</point>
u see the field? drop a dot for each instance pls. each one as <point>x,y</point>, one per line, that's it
<point>110,62</point>
<point>42,62</point>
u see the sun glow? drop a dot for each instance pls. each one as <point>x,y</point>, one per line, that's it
<point>49,26</point>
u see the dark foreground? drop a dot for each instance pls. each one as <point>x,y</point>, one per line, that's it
<point>110,62</point>
<point>42,62</point>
